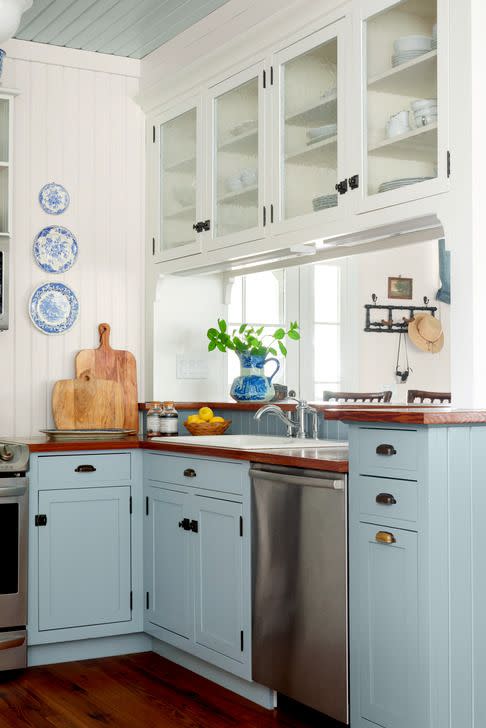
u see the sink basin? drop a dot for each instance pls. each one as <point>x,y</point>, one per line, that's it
<point>251,442</point>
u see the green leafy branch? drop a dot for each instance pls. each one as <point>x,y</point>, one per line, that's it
<point>251,340</point>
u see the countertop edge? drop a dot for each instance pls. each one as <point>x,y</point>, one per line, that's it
<point>409,416</point>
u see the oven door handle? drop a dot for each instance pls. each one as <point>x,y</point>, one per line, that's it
<point>8,643</point>
<point>15,490</point>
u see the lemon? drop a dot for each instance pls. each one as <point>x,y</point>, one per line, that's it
<point>217,419</point>
<point>193,418</point>
<point>206,414</point>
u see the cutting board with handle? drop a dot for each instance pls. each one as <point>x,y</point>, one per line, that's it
<point>88,403</point>
<point>116,365</point>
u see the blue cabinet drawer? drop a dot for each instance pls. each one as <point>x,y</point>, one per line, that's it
<point>387,498</point>
<point>384,451</point>
<point>205,474</point>
<point>83,469</point>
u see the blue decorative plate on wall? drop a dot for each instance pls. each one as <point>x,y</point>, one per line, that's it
<point>53,308</point>
<point>55,249</point>
<point>54,198</point>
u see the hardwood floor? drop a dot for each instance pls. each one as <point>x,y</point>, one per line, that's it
<point>131,691</point>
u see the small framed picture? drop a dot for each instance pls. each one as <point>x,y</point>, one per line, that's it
<point>400,288</point>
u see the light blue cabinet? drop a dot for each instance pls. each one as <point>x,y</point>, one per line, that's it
<point>84,557</point>
<point>168,561</point>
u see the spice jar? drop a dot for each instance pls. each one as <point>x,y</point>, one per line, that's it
<point>153,419</point>
<point>169,420</point>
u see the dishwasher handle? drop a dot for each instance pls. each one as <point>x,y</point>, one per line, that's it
<point>318,482</point>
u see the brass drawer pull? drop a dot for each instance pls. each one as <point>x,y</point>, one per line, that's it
<point>385,537</point>
<point>385,449</point>
<point>386,499</point>
<point>85,469</point>
<point>190,473</point>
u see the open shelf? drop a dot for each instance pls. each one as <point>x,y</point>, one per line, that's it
<point>183,212</point>
<point>315,154</point>
<point>415,78</point>
<point>417,144</point>
<point>244,143</point>
<point>183,165</point>
<point>247,196</point>
<point>322,112</point>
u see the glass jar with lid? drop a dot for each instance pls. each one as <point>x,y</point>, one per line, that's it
<point>169,420</point>
<point>153,419</point>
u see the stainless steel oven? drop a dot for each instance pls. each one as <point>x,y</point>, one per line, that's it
<point>13,550</point>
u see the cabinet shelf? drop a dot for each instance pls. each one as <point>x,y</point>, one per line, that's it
<point>183,212</point>
<point>183,165</point>
<point>315,154</point>
<point>416,78</point>
<point>248,197</point>
<point>417,144</point>
<point>242,144</point>
<point>323,112</point>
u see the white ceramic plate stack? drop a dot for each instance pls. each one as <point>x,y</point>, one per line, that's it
<point>319,133</point>
<point>425,112</point>
<point>410,47</point>
<point>394,184</point>
<point>324,202</point>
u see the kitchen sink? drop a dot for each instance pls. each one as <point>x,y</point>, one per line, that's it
<point>252,442</point>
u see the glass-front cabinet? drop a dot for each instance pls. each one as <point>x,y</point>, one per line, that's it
<point>404,99</point>
<point>309,111</point>
<point>236,111</point>
<point>5,125</point>
<point>179,168</point>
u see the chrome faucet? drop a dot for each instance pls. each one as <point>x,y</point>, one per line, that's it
<point>302,409</point>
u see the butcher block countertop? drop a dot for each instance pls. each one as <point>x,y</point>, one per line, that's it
<point>332,459</point>
<point>408,415</point>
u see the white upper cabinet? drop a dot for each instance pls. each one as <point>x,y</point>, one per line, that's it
<point>308,130</point>
<point>403,88</point>
<point>237,158</point>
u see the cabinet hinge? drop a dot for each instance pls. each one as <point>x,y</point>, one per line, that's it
<point>194,526</point>
<point>40,519</point>
<point>271,75</point>
<point>130,505</point>
<point>147,600</point>
<point>146,505</point>
<point>242,641</point>
<point>153,134</point>
<point>342,187</point>
<point>448,163</point>
<point>354,182</point>
<point>241,525</point>
<point>153,246</point>
<point>131,601</point>
<point>264,79</point>
<point>264,215</point>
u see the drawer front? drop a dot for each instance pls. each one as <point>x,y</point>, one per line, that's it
<point>384,451</point>
<point>386,498</point>
<point>194,472</point>
<point>84,469</point>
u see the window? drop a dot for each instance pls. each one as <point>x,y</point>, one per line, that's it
<point>314,296</point>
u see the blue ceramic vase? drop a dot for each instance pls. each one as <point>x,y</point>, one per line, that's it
<point>252,385</point>
<point>2,56</point>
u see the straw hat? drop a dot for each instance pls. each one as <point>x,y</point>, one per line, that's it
<point>426,333</point>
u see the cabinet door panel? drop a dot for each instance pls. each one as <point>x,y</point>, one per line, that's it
<point>169,572</point>
<point>389,652</point>
<point>219,576</point>
<point>84,557</point>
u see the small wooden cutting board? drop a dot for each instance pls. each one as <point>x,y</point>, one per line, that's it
<point>116,365</point>
<point>87,403</point>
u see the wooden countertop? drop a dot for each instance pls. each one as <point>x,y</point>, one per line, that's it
<point>408,415</point>
<point>332,459</point>
<point>284,404</point>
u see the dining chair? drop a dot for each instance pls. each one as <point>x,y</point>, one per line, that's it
<point>419,396</point>
<point>378,397</point>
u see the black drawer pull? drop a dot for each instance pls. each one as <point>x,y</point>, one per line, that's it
<point>190,473</point>
<point>386,499</point>
<point>85,469</point>
<point>385,450</point>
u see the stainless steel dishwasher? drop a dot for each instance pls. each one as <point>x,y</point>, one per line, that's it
<point>299,562</point>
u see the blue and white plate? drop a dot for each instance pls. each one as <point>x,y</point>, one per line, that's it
<point>54,198</point>
<point>53,308</point>
<point>55,249</point>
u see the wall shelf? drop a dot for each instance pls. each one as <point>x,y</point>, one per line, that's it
<point>315,154</point>
<point>416,78</point>
<point>417,144</point>
<point>183,165</point>
<point>247,197</point>
<point>322,112</point>
<point>242,144</point>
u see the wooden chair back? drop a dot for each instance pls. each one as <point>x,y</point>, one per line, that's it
<point>378,397</point>
<point>420,396</point>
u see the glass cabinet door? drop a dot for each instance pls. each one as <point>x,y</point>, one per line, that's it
<point>309,125</point>
<point>237,131</point>
<point>4,164</point>
<point>178,164</point>
<point>403,108</point>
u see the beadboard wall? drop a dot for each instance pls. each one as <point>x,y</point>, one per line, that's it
<point>75,123</point>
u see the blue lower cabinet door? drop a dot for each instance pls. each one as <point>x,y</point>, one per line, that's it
<point>219,577</point>
<point>84,557</point>
<point>168,554</point>
<point>391,675</point>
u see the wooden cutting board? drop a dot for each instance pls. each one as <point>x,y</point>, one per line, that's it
<point>88,403</point>
<point>114,364</point>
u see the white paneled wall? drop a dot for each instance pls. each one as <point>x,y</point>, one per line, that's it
<point>75,124</point>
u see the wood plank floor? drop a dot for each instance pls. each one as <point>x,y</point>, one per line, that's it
<point>131,691</point>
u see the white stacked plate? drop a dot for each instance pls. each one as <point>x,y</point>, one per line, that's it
<point>324,202</point>
<point>405,57</point>
<point>394,184</point>
<point>319,133</point>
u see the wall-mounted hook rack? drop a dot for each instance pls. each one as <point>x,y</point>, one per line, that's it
<point>387,323</point>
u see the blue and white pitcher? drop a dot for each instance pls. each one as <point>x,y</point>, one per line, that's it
<point>253,385</point>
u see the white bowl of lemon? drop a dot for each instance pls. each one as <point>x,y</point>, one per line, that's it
<point>206,423</point>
